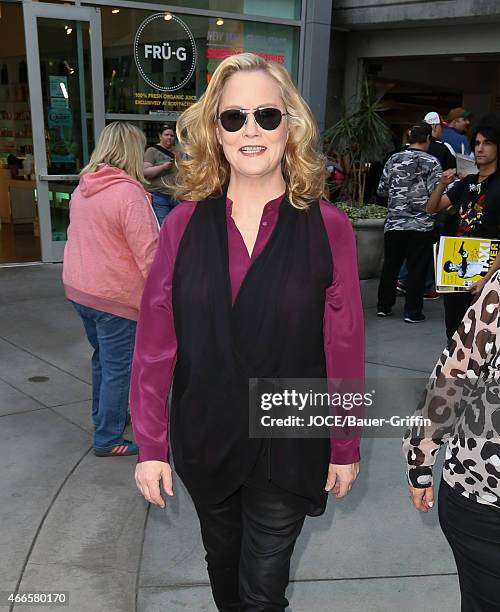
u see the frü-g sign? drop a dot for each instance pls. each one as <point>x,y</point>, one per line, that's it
<point>165,52</point>
<point>163,46</point>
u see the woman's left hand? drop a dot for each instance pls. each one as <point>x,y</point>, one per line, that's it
<point>341,478</point>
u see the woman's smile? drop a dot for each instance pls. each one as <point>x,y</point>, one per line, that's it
<point>252,151</point>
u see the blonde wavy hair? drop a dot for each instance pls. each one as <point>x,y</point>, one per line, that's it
<point>203,169</point>
<point>121,145</point>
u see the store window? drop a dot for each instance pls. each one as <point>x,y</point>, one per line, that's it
<point>67,93</point>
<point>160,63</point>
<point>19,228</point>
<point>282,9</point>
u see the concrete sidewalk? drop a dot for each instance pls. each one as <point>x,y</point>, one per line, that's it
<point>71,522</point>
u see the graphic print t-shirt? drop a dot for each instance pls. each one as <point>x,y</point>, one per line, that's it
<point>476,207</point>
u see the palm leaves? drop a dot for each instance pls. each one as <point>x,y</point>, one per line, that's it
<point>360,137</point>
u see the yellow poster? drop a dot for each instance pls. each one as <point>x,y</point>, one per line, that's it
<point>463,261</point>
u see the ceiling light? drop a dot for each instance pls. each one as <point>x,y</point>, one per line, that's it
<point>64,90</point>
<point>220,21</point>
<point>168,16</point>
<point>115,11</point>
<point>69,30</point>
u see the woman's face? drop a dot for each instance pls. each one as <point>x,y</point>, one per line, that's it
<point>167,138</point>
<point>252,151</point>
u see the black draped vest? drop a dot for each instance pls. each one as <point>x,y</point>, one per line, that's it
<point>273,330</point>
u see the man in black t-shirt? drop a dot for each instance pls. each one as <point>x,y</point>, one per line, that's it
<point>473,208</point>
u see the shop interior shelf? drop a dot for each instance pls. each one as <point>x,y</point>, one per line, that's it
<point>27,138</point>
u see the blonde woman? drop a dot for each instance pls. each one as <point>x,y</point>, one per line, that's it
<point>255,276</point>
<point>112,239</point>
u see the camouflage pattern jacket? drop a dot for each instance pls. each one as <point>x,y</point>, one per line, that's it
<point>408,179</point>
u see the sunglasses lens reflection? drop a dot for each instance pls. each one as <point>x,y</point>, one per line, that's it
<point>268,118</point>
<point>232,120</point>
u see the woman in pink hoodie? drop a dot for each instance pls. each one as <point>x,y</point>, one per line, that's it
<point>112,240</point>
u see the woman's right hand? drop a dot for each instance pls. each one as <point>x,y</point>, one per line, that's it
<point>477,287</point>
<point>147,477</point>
<point>422,499</point>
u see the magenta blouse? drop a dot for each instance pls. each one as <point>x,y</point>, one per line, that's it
<point>156,343</point>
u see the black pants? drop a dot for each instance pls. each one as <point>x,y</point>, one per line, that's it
<point>416,248</point>
<point>249,540</point>
<point>473,532</point>
<point>455,307</point>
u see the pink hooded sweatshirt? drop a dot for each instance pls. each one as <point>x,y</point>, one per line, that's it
<point>112,239</point>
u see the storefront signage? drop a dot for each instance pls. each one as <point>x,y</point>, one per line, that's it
<point>58,87</point>
<point>170,42</point>
<point>222,44</point>
<point>214,53</point>
<point>61,143</point>
<point>165,52</point>
<point>59,117</point>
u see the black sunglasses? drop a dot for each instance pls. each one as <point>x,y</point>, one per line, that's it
<point>234,119</point>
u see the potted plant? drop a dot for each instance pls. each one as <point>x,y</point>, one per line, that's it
<point>360,138</point>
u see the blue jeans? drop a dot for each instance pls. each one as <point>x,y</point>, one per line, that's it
<point>112,339</point>
<point>162,205</point>
<point>430,285</point>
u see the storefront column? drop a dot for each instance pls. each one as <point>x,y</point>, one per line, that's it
<point>316,52</point>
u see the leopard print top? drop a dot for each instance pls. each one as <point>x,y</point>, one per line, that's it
<point>462,401</point>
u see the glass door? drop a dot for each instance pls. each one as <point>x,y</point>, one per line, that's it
<point>64,53</point>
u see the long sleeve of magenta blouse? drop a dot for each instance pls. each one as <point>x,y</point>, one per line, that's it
<point>156,343</point>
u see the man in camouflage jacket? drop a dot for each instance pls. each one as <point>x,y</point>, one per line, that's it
<point>408,179</point>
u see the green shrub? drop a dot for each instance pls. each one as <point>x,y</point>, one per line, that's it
<point>371,211</point>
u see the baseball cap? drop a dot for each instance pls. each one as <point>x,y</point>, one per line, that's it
<point>456,113</point>
<point>433,118</point>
